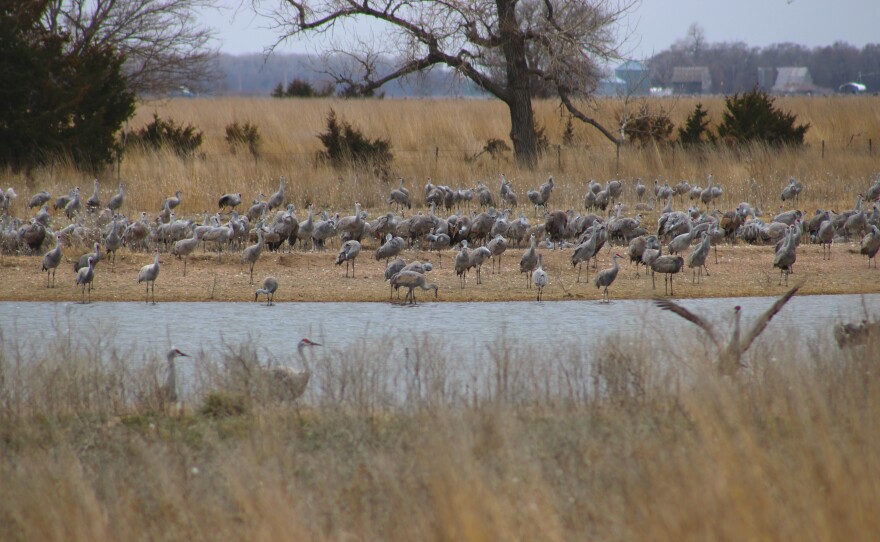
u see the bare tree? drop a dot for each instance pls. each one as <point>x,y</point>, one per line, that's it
<point>504,46</point>
<point>163,44</point>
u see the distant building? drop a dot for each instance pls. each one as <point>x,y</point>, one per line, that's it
<point>852,88</point>
<point>795,80</point>
<point>696,80</point>
<point>635,75</point>
<point>611,86</point>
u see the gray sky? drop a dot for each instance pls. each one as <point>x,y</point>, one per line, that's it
<point>652,27</point>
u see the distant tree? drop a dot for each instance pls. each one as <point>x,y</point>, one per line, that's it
<point>502,46</point>
<point>56,100</point>
<point>696,128</point>
<point>161,133</point>
<point>300,88</point>
<point>162,45</point>
<point>753,117</point>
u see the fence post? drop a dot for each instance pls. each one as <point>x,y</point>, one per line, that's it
<point>436,156</point>
<point>617,164</point>
<point>870,147</point>
<point>559,157</point>
<point>823,149</point>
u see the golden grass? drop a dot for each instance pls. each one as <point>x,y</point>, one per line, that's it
<point>431,139</point>
<point>633,440</point>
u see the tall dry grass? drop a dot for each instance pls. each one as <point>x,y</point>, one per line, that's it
<point>635,440</point>
<point>435,139</point>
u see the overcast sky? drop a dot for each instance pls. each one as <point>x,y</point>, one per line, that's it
<point>652,27</point>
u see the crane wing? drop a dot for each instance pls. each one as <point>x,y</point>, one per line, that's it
<point>765,318</point>
<point>671,306</point>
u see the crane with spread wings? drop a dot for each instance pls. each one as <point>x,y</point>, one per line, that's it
<point>730,355</point>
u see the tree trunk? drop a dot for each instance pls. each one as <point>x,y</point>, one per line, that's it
<point>518,98</point>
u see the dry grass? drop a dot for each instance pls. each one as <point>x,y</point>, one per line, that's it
<point>432,138</point>
<point>617,443</point>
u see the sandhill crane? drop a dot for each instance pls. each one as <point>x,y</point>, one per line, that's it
<point>348,253</point>
<point>792,191</point>
<point>169,392</point>
<point>399,197</point>
<point>477,258</point>
<point>541,196</point>
<point>287,384</point>
<point>640,189</point>
<point>149,274</point>
<point>825,236</point>
<point>94,201</point>
<point>83,260</point>
<point>870,245</point>
<point>540,277</point>
<point>323,230</point>
<point>351,223</point>
<point>586,251</point>
<point>112,243</point>
<point>252,253</point>
<point>229,200</point>
<point>185,247</point>
<point>62,200</point>
<point>850,334</point>
<point>412,280</point>
<point>707,195</point>
<point>668,265</point>
<point>219,235</point>
<point>39,199</point>
<point>52,259</point>
<point>117,200</point>
<point>171,202</point>
<point>786,255</point>
<point>529,261</point>
<point>276,200</point>
<point>606,277</point>
<point>394,267</point>
<point>556,224</point>
<point>497,247</point>
<point>730,355</point>
<point>508,196</point>
<point>391,248</point>
<point>73,205</point>
<point>681,242</point>
<point>664,192</point>
<point>438,243</point>
<point>270,284</point>
<point>484,195</point>
<point>462,264</point>
<point>85,276</point>
<point>857,223</point>
<point>697,258</point>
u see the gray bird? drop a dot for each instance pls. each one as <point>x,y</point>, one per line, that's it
<point>84,277</point>
<point>730,355</point>
<point>606,277</point>
<point>52,259</point>
<point>529,261</point>
<point>668,265</point>
<point>149,274</point>
<point>412,280</point>
<point>270,284</point>
<point>348,253</point>
<point>540,277</point>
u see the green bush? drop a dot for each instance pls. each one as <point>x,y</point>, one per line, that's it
<point>696,128</point>
<point>59,97</point>
<point>299,88</point>
<point>184,140</point>
<point>347,146</point>
<point>753,117</point>
<point>244,135</point>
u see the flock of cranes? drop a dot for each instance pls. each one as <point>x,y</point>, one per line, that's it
<point>682,238</point>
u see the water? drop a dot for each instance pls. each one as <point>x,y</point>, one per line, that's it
<point>211,327</point>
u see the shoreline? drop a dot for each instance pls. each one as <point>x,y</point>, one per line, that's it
<point>742,271</point>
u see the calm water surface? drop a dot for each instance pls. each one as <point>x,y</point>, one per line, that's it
<point>212,327</point>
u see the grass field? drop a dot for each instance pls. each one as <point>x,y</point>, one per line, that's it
<point>635,440</point>
<point>433,138</point>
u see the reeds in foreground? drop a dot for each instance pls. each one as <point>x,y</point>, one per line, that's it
<point>629,441</point>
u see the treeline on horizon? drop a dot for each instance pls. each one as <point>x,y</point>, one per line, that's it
<point>734,68</point>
